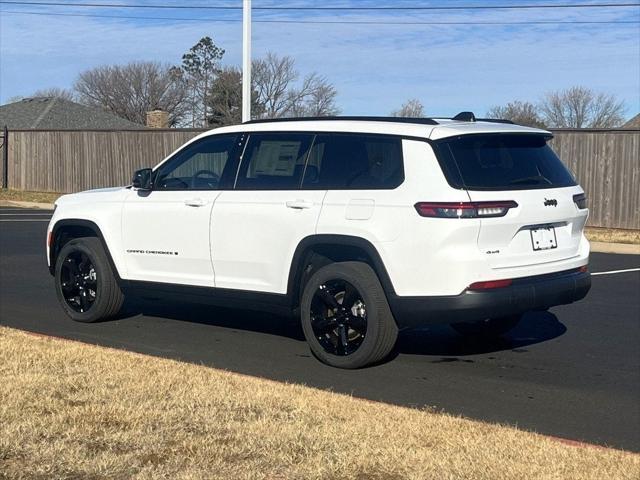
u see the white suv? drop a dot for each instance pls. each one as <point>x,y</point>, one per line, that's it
<point>359,226</point>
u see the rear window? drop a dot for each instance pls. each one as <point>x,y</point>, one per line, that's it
<point>502,162</point>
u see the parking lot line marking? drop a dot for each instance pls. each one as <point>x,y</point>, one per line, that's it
<point>617,271</point>
<point>26,220</point>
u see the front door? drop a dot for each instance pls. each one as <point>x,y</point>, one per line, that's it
<point>257,226</point>
<point>166,231</point>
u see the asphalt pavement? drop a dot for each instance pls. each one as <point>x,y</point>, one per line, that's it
<point>573,372</point>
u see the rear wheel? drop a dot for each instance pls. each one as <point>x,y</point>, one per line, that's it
<point>85,282</point>
<point>490,327</point>
<point>345,316</point>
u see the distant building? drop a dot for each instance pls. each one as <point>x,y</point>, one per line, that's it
<point>54,113</point>
<point>633,123</point>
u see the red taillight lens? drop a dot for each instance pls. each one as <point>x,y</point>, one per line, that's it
<point>580,200</point>
<point>488,285</point>
<point>464,209</point>
<point>49,239</point>
<point>583,269</point>
<point>445,210</point>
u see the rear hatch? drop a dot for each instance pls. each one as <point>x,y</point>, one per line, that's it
<point>547,223</point>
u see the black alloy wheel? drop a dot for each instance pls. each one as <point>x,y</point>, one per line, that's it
<point>345,315</point>
<point>86,283</point>
<point>338,317</point>
<point>78,281</point>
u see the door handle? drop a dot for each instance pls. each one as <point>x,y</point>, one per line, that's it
<point>195,202</point>
<point>299,204</point>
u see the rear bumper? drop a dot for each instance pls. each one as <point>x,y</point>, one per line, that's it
<point>525,294</point>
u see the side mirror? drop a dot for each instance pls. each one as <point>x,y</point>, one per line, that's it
<point>142,179</point>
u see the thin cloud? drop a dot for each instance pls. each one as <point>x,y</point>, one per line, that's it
<point>374,67</point>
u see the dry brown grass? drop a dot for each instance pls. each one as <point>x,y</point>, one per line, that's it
<point>20,196</point>
<point>69,410</point>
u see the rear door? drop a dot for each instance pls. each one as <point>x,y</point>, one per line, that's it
<point>547,224</point>
<point>257,226</point>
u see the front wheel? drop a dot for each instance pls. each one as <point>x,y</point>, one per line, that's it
<point>85,282</point>
<point>490,327</point>
<point>345,316</point>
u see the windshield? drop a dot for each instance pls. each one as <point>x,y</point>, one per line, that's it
<point>502,162</point>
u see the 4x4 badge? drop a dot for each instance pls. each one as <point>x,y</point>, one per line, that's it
<point>548,202</point>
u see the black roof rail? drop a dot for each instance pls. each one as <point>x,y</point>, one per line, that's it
<point>420,121</point>
<point>495,120</point>
<point>470,117</point>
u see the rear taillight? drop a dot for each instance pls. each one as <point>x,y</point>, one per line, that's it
<point>490,284</point>
<point>464,209</point>
<point>580,200</point>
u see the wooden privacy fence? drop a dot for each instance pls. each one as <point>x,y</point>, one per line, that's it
<point>607,165</point>
<point>73,160</point>
<point>605,162</point>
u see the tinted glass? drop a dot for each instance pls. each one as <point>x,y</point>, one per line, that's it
<point>197,167</point>
<point>347,162</point>
<point>273,161</point>
<point>502,162</point>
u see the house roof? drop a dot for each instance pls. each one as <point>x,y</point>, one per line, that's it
<point>54,113</point>
<point>633,123</point>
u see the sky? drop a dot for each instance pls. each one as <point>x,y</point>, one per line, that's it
<point>375,68</point>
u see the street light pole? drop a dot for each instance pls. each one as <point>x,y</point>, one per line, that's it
<point>246,60</point>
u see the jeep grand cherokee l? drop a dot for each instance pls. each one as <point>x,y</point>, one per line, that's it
<point>358,226</point>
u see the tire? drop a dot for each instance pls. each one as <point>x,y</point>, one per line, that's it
<point>489,328</point>
<point>370,333</point>
<point>87,292</point>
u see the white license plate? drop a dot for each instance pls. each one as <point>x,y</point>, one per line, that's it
<point>544,238</point>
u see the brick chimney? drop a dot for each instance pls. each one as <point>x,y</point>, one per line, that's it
<point>157,119</point>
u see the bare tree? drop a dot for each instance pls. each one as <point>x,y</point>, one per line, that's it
<point>201,66</point>
<point>57,92</point>
<point>274,80</point>
<point>133,89</point>
<point>315,98</point>
<point>581,107</point>
<point>522,113</point>
<point>411,108</point>
<point>225,98</point>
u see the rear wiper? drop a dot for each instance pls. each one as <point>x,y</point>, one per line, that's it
<point>534,179</point>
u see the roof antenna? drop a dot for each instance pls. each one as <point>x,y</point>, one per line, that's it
<point>465,117</point>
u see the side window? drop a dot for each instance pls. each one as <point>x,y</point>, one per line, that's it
<point>354,162</point>
<point>273,161</point>
<point>197,167</point>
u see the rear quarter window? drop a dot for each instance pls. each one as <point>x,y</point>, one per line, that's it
<point>344,161</point>
<point>502,162</point>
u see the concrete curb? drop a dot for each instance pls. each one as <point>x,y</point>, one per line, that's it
<point>598,247</point>
<point>622,248</point>
<point>12,203</point>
